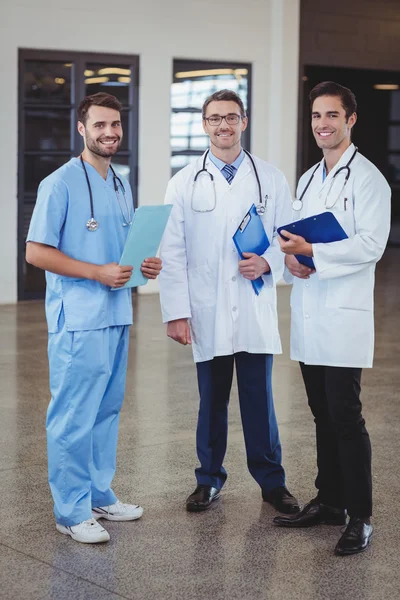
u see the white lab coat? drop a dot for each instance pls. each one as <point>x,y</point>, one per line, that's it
<point>200,279</point>
<point>332,312</point>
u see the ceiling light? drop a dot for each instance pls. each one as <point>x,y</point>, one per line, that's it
<point>210,72</point>
<point>90,80</point>
<point>386,86</point>
<point>114,71</point>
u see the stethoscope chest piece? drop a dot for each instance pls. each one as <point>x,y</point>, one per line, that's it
<point>92,225</point>
<point>297,204</point>
<point>260,209</point>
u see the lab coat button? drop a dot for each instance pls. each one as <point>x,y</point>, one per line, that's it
<point>307,285</point>
<point>234,308</point>
<point>233,278</point>
<point>307,316</point>
<point>233,220</point>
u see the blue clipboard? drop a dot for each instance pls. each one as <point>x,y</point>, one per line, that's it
<point>143,240</point>
<point>321,228</point>
<point>250,236</point>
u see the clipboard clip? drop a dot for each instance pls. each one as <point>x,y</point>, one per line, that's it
<point>245,222</point>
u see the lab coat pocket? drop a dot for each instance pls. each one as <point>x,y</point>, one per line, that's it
<point>354,291</point>
<point>341,205</point>
<point>202,288</point>
<point>343,211</point>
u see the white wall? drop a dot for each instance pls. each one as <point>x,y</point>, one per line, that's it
<point>262,32</point>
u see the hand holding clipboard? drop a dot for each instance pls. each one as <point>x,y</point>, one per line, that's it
<point>321,228</point>
<point>251,237</point>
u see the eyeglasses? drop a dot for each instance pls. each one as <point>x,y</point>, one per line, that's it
<point>231,119</point>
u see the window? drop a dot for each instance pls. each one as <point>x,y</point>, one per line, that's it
<point>193,82</point>
<point>51,86</point>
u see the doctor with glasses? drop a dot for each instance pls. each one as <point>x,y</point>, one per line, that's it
<point>208,301</point>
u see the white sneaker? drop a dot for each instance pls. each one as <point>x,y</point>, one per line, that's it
<point>87,532</point>
<point>118,512</point>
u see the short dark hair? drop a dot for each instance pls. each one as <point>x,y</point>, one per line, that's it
<point>99,99</point>
<point>330,88</point>
<point>227,95</point>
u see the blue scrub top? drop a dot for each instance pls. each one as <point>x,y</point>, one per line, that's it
<point>59,219</point>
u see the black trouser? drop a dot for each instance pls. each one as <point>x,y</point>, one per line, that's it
<point>343,445</point>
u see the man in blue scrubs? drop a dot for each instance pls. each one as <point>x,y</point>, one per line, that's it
<point>77,234</point>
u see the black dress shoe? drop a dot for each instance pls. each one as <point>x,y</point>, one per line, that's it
<point>356,538</point>
<point>282,500</point>
<point>202,498</point>
<point>313,513</point>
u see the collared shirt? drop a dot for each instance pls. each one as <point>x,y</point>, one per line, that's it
<point>59,219</point>
<point>220,163</point>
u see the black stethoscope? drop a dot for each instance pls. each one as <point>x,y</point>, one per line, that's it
<point>297,204</point>
<point>92,224</point>
<point>261,206</point>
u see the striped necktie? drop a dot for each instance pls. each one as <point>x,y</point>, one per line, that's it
<point>229,172</point>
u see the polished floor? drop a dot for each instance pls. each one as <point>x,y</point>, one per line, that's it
<point>230,552</point>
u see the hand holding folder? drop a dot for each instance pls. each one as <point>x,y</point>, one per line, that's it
<point>251,237</point>
<point>321,228</point>
<point>143,240</point>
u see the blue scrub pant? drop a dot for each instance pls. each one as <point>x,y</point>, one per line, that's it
<point>87,383</point>
<point>259,423</point>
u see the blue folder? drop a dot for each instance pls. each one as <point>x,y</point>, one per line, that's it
<point>143,240</point>
<point>250,236</point>
<point>321,228</point>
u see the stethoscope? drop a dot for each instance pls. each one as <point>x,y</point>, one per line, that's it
<point>297,204</point>
<point>92,224</point>
<point>261,206</point>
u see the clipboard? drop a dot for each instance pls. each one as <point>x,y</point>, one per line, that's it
<point>143,240</point>
<point>250,236</point>
<point>322,228</point>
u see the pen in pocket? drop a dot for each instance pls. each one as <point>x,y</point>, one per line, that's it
<point>345,204</point>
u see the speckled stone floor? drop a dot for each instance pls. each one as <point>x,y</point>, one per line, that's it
<point>230,552</point>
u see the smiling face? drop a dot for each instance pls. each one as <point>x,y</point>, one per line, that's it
<point>224,136</point>
<point>330,125</point>
<point>102,131</point>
